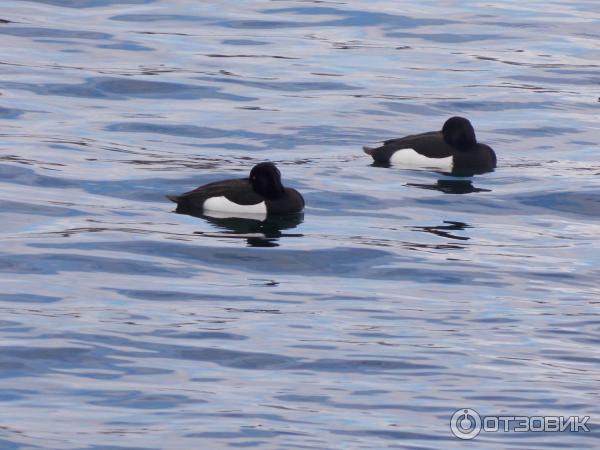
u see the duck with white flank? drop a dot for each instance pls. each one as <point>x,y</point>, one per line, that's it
<point>453,148</point>
<point>261,193</point>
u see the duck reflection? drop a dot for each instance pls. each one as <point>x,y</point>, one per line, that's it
<point>259,230</point>
<point>451,186</point>
<point>467,172</point>
<point>446,230</point>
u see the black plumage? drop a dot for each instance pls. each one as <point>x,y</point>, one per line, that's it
<point>456,139</point>
<point>263,185</point>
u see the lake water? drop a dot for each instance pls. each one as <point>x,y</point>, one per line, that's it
<point>400,296</point>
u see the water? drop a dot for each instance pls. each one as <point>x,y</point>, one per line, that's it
<point>399,297</point>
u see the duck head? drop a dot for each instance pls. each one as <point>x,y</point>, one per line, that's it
<point>265,179</point>
<point>458,132</point>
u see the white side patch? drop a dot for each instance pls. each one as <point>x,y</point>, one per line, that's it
<point>221,204</point>
<point>236,215</point>
<point>408,157</point>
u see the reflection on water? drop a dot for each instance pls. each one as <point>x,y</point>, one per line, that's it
<point>454,172</point>
<point>368,321</point>
<point>451,186</point>
<point>258,231</point>
<point>445,230</point>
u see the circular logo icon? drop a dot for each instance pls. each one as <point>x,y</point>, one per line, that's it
<point>465,423</point>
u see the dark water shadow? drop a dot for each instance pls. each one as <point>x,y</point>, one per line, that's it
<point>10,113</point>
<point>113,88</point>
<point>445,230</point>
<point>310,17</point>
<point>469,172</point>
<point>342,18</point>
<point>250,139</point>
<point>257,230</point>
<point>28,298</point>
<point>89,3</point>
<point>340,262</point>
<point>450,187</point>
<point>283,86</point>
<point>55,263</point>
<point>455,38</point>
<point>463,173</point>
<point>38,32</point>
<point>586,204</point>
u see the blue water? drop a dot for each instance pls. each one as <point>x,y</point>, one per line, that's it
<point>400,296</point>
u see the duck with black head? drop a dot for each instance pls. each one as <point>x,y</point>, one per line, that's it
<point>260,193</point>
<point>453,148</point>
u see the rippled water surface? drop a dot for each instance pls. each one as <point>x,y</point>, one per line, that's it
<point>398,298</point>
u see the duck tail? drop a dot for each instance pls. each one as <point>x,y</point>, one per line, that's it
<point>173,198</point>
<point>369,150</point>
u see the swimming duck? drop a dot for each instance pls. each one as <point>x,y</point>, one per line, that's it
<point>261,193</point>
<point>452,148</point>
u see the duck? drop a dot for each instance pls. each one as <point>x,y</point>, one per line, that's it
<point>453,148</point>
<point>261,193</point>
